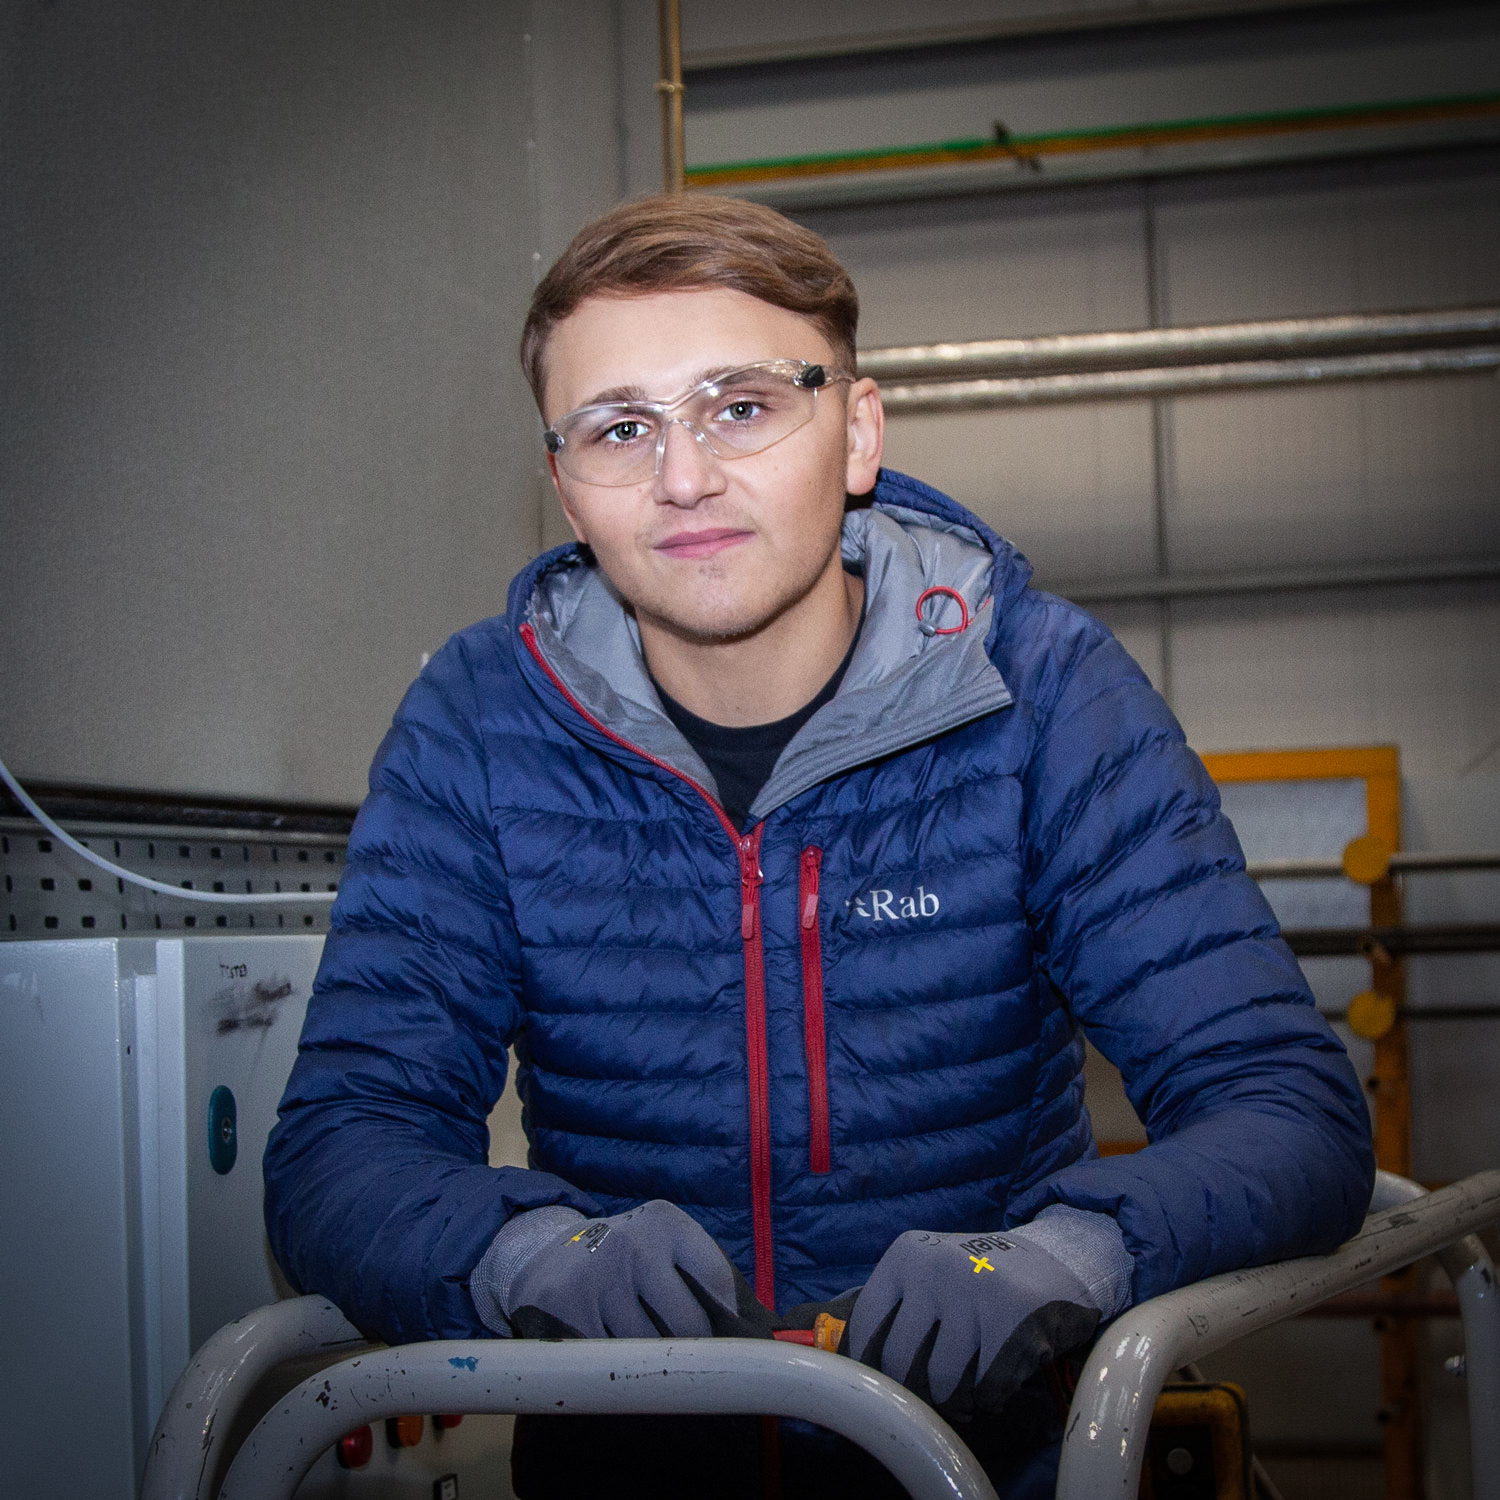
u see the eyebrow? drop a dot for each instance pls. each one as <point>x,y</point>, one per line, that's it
<point>635,393</point>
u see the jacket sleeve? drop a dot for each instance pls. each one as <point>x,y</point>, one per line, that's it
<point>378,1192</point>
<point>1166,952</point>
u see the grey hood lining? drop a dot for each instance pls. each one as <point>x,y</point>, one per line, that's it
<point>904,684</point>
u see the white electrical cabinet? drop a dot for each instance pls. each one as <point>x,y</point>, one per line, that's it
<point>141,1079</point>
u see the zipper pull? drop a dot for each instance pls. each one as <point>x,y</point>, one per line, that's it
<point>810,863</point>
<point>749,880</point>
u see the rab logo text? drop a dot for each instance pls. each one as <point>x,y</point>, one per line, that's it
<point>887,906</point>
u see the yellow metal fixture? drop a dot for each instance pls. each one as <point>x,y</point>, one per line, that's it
<point>1367,859</point>
<point>1371,1015</point>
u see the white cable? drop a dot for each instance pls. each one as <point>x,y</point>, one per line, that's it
<point>215,898</point>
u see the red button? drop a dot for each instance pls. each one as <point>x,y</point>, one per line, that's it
<point>447,1420</point>
<point>356,1448</point>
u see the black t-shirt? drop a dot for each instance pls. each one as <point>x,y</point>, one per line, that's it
<point>742,758</point>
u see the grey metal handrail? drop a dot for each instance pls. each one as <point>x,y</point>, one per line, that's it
<point>198,1448</point>
<point>1467,1265</point>
<point>627,1376</point>
<point>193,1443</point>
<point>679,1376</point>
<point>1106,1434</point>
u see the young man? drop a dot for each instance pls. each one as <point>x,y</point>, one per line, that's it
<point>793,840</point>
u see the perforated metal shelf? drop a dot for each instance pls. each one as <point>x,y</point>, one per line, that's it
<point>47,891</point>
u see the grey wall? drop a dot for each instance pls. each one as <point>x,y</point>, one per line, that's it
<point>264,440</point>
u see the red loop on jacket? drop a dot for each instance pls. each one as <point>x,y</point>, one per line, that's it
<point>942,588</point>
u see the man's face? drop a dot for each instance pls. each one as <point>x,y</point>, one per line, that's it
<point>710,548</point>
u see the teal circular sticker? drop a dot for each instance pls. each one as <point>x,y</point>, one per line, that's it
<point>223,1130</point>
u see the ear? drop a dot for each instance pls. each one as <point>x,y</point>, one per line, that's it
<point>562,499</point>
<point>866,437</point>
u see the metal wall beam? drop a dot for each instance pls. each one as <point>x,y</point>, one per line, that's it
<point>1037,23</point>
<point>1277,580</point>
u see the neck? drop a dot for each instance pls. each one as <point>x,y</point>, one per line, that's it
<point>768,674</point>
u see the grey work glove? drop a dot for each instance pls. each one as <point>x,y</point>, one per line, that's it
<point>653,1270</point>
<point>964,1320</point>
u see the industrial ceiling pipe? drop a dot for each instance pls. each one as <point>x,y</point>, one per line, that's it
<point>1145,348</point>
<point>1182,380</point>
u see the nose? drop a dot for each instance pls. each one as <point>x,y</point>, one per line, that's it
<point>686,471</point>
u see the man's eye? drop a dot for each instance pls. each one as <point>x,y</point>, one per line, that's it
<point>743,409</point>
<point>628,430</point>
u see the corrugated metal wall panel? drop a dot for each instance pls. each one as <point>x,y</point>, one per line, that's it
<point>1317,59</point>
<point>1394,471</point>
<point>790,28</point>
<point>1414,666</point>
<point>978,267</point>
<point>1387,233</point>
<point>1072,486</point>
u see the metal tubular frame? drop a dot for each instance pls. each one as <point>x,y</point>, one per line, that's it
<point>1205,343</point>
<point>195,1438</point>
<point>1467,1265</point>
<point>1182,380</point>
<point>192,1446</point>
<point>1106,1437</point>
<point>679,1376</point>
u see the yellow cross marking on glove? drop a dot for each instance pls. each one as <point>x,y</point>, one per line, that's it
<point>576,1238</point>
<point>981,1263</point>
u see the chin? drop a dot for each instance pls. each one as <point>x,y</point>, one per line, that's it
<point>711,622</point>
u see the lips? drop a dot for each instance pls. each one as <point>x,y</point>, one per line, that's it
<point>690,544</point>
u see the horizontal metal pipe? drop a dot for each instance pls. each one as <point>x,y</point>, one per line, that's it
<point>1183,380</point>
<point>1277,580</point>
<point>923,184</point>
<point>1410,863</point>
<point>1142,348</point>
<point>1449,1012</point>
<point>623,1376</point>
<point>1333,942</point>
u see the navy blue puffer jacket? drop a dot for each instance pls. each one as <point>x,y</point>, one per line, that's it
<point>862,1015</point>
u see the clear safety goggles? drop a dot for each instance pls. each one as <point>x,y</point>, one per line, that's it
<point>732,415</point>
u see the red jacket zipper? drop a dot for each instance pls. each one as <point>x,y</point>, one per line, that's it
<point>747,848</point>
<point>755,1044</point>
<point>814,1028</point>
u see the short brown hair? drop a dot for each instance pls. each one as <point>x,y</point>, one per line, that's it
<point>681,242</point>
